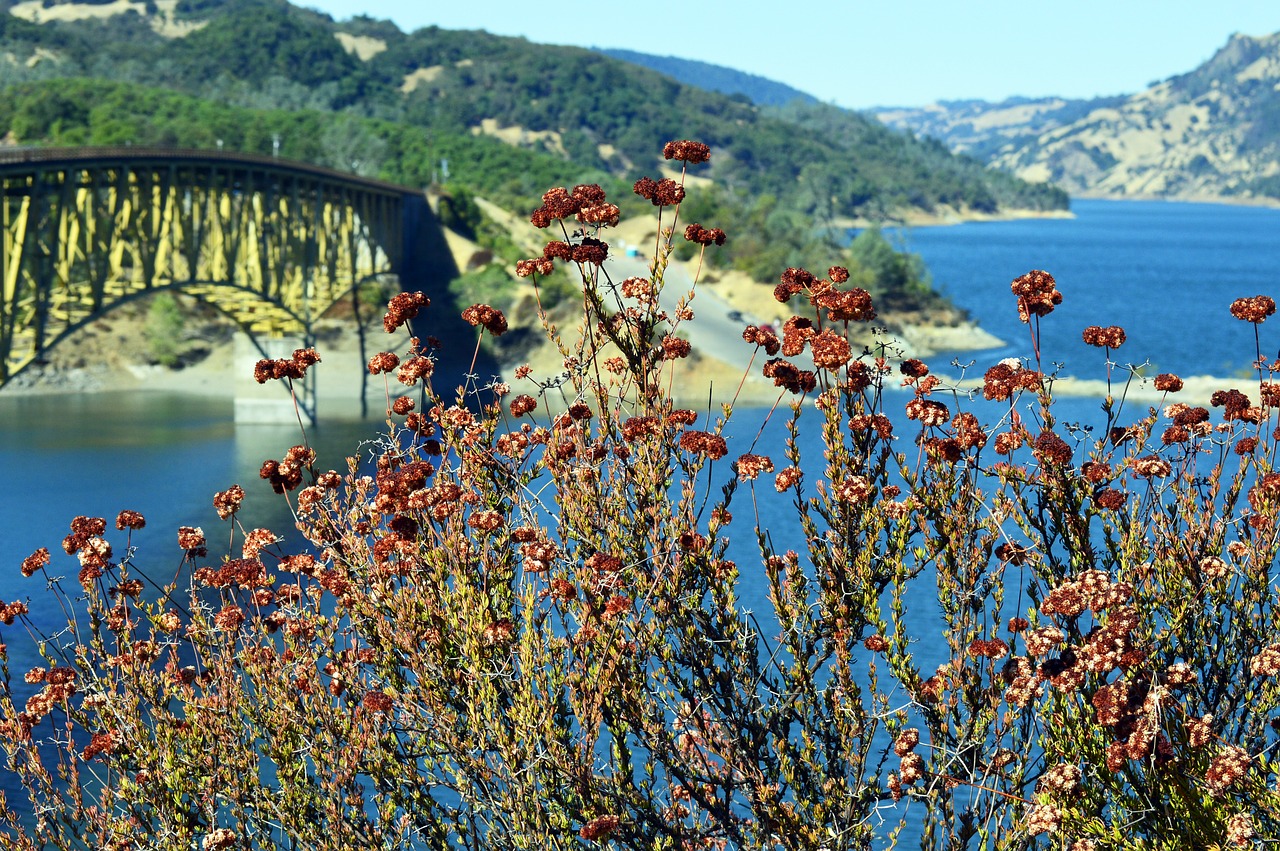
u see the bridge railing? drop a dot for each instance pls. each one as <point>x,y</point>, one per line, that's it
<point>15,157</point>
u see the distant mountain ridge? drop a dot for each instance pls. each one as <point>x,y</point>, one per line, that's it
<point>1213,132</point>
<point>980,128</point>
<point>759,90</point>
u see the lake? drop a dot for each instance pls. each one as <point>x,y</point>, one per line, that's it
<point>1166,272</point>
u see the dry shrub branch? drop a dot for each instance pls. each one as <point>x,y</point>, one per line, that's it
<point>521,626</point>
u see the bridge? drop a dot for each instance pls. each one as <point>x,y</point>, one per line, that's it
<point>270,243</point>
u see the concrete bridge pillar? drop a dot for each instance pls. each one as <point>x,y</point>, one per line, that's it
<point>268,403</point>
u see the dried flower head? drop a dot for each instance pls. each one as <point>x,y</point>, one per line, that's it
<point>600,828</point>
<point>1037,294</point>
<point>403,307</point>
<point>699,235</point>
<point>1111,337</point>
<point>1255,309</point>
<point>489,317</point>
<point>688,150</point>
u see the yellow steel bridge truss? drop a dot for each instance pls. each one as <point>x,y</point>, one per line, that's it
<point>271,244</point>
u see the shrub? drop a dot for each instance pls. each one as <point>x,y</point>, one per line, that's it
<point>521,627</point>
<point>163,330</point>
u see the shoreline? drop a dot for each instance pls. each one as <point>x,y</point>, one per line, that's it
<point>704,379</point>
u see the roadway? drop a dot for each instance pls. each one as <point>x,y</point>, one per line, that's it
<point>716,328</point>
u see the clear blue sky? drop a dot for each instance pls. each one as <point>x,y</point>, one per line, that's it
<point>887,52</point>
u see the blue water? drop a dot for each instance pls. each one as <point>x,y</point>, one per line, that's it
<point>1165,272</point>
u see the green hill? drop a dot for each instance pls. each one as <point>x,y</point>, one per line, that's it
<point>496,116</point>
<point>574,104</point>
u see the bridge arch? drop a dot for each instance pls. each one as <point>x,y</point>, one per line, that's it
<point>270,243</point>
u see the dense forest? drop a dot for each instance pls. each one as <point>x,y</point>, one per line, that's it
<point>410,108</point>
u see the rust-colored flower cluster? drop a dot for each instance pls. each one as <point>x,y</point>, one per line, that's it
<point>293,368</point>
<point>228,502</point>
<point>286,474</point>
<point>34,562</point>
<point>790,377</point>
<point>403,307</point>
<point>1111,337</point>
<point>600,828</point>
<point>763,336</point>
<point>688,150</point>
<point>559,204</point>
<point>705,443</point>
<point>699,235</point>
<point>489,317</point>
<point>750,466</point>
<point>1254,309</point>
<point>1226,769</point>
<point>661,193</point>
<point>1006,378</point>
<point>1037,294</point>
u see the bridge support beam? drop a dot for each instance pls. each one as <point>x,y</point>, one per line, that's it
<point>270,243</point>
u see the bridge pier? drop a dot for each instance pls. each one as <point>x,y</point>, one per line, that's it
<point>270,403</point>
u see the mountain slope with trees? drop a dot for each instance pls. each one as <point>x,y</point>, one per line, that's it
<point>575,104</point>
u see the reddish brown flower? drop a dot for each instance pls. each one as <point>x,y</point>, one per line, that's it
<point>750,466</point>
<point>704,443</point>
<point>403,307</point>
<point>1037,294</point>
<point>699,235</point>
<point>130,520</point>
<point>383,362</point>
<point>830,350</point>
<point>591,251</point>
<point>1110,499</point>
<point>1051,449</point>
<point>489,317</point>
<point>1229,766</point>
<point>599,829</point>
<point>786,375</point>
<point>191,539</point>
<point>796,333</point>
<point>1255,309</point>
<point>377,701</point>
<point>929,412</point>
<point>688,150</point>
<point>1167,382</point>
<point>1151,466</point>
<point>763,336</point>
<point>1111,337</point>
<point>674,348</point>
<point>35,561</point>
<point>227,502</point>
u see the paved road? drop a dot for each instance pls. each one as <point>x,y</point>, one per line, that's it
<point>711,331</point>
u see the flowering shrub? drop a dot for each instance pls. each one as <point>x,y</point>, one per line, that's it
<point>521,628</point>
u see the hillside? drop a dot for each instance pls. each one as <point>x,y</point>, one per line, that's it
<point>758,90</point>
<point>602,114</point>
<point>979,128</point>
<point>1213,132</point>
<point>881,155</point>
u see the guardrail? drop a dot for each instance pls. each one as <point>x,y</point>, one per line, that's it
<point>17,155</point>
